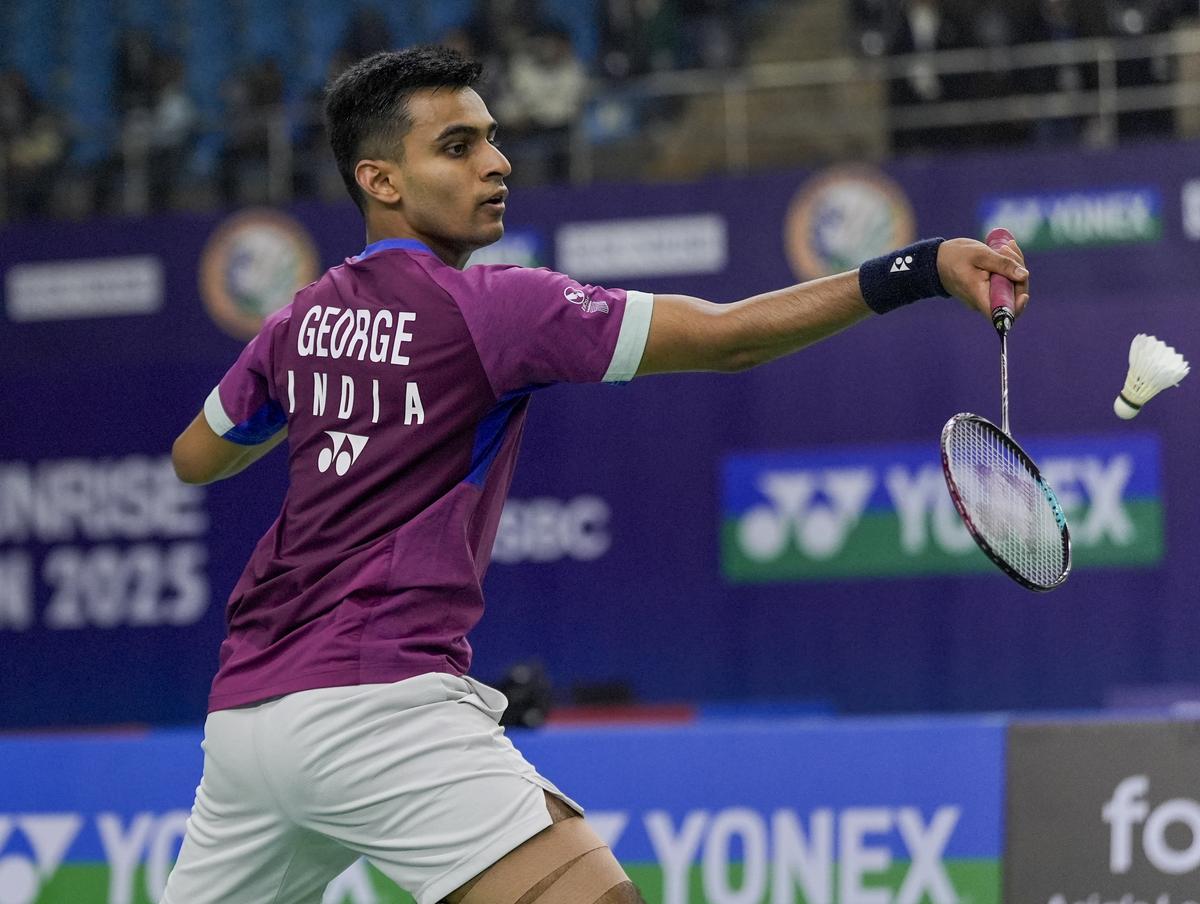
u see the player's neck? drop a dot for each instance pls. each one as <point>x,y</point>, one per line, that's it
<point>380,228</point>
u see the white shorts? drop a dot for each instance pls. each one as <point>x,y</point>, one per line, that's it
<point>416,776</point>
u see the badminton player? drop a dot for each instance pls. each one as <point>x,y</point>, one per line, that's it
<point>342,721</point>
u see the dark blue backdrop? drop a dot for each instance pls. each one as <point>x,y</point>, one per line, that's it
<point>650,602</point>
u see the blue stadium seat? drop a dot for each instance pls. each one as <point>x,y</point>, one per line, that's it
<point>32,43</point>
<point>154,17</point>
<point>89,35</point>
<point>208,52</point>
<point>266,34</point>
<point>580,20</point>
<point>443,16</point>
<point>321,25</point>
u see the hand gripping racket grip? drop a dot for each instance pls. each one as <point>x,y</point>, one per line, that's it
<point>1000,288</point>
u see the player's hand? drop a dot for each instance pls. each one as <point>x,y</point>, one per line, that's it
<point>966,265</point>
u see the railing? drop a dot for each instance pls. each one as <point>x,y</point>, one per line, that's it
<point>732,93</point>
<point>1102,103</point>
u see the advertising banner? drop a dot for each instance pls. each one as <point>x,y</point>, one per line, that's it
<point>1103,812</point>
<point>866,812</point>
<point>776,533</point>
<point>884,511</point>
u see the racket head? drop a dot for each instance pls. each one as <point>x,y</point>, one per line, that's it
<point>1008,508</point>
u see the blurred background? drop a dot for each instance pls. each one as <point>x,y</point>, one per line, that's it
<point>765,567</point>
<point>134,106</point>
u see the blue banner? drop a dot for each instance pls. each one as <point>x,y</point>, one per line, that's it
<point>712,812</point>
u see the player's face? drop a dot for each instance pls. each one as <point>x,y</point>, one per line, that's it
<point>451,173</point>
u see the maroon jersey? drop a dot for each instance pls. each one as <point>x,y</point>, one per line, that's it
<point>403,384</point>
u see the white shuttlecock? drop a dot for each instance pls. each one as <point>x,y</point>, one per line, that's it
<point>1153,366</point>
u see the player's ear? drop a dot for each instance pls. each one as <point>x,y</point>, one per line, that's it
<point>377,179</point>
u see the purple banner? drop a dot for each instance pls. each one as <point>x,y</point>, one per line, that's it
<point>622,556</point>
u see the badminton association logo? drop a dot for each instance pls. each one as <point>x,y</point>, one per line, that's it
<point>843,216</point>
<point>576,295</point>
<point>252,266</point>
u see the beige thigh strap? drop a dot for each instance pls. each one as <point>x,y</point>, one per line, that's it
<point>586,879</point>
<point>522,868</point>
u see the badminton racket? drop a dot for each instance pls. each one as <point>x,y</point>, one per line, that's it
<point>1008,508</point>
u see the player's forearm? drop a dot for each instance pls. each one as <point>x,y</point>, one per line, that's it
<point>778,323</point>
<point>688,334</point>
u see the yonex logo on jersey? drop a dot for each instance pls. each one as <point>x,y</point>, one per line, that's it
<point>901,264</point>
<point>577,296</point>
<point>337,457</point>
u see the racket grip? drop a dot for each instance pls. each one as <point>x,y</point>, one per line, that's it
<point>1000,288</point>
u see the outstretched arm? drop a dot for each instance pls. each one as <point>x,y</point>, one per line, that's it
<point>688,334</point>
<point>200,456</point>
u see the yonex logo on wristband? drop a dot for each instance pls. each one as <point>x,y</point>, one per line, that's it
<point>901,277</point>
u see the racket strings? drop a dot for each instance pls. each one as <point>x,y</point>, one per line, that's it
<point>1008,503</point>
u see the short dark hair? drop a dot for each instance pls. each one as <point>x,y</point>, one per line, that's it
<point>366,107</point>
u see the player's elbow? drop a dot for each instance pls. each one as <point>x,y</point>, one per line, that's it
<point>190,467</point>
<point>735,348</point>
<point>739,358</point>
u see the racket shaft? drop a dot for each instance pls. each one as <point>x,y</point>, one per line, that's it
<point>1004,383</point>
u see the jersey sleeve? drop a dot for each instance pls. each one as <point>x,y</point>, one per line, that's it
<point>534,327</point>
<point>243,407</point>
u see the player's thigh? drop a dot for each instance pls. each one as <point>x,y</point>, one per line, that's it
<point>431,794</point>
<point>246,865</point>
<point>566,863</point>
<point>239,847</point>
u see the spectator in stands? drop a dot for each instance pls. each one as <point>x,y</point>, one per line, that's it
<point>1143,17</point>
<point>33,144</point>
<point>640,36</point>
<point>922,27</point>
<point>366,34</point>
<point>712,34</point>
<point>1056,20</point>
<point>137,62</point>
<point>254,103</point>
<point>992,26</point>
<point>873,24</point>
<point>545,90</point>
<point>172,127</point>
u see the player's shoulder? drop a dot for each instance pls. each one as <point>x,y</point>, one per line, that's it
<point>497,281</point>
<point>278,320</point>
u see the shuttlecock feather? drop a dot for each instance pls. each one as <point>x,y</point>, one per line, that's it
<point>1153,366</point>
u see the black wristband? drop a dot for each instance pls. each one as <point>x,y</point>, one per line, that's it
<point>902,277</point>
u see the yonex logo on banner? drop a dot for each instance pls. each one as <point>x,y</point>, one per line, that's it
<point>1077,218</point>
<point>31,848</point>
<point>829,855</point>
<point>885,511</point>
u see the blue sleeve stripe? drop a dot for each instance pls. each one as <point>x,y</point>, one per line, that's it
<point>260,426</point>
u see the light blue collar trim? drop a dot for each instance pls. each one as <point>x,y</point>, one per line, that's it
<point>389,244</point>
